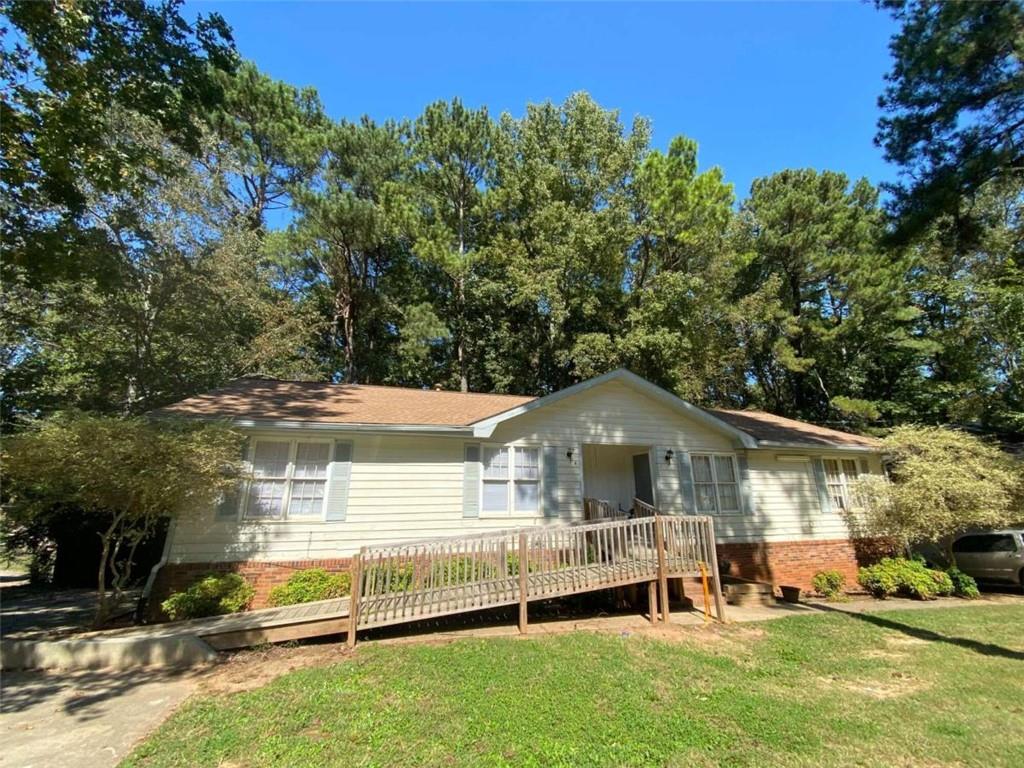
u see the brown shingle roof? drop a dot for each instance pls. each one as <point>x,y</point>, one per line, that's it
<point>777,429</point>
<point>270,399</point>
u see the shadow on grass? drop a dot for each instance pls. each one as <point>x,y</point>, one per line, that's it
<point>985,649</point>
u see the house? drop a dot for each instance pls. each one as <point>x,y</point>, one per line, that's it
<point>339,466</point>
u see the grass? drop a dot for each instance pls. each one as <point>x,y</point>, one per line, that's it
<point>911,688</point>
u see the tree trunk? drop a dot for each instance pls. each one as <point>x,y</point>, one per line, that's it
<point>461,286</point>
<point>102,604</point>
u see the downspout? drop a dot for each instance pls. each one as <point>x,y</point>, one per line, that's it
<point>140,608</point>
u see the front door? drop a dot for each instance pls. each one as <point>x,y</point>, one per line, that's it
<point>642,478</point>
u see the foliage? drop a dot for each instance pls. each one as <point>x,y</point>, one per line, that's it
<point>909,578</point>
<point>131,473</point>
<point>963,585</point>
<point>311,584</point>
<point>165,239</point>
<point>211,595</point>
<point>64,67</point>
<point>954,105</point>
<point>941,482</point>
<point>828,583</point>
<point>613,699</point>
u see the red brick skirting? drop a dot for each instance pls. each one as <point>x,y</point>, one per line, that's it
<point>794,563</point>
<point>264,576</point>
<point>777,562</point>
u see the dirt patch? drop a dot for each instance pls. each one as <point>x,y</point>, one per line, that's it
<point>883,655</point>
<point>896,685</point>
<point>254,668</point>
<point>902,641</point>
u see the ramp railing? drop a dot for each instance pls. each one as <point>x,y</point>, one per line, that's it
<point>415,580</point>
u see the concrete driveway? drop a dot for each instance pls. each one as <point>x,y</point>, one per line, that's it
<point>90,718</point>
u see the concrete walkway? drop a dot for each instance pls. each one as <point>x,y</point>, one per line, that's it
<point>93,718</point>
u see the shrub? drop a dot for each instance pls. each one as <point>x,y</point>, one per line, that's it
<point>828,583</point>
<point>212,595</point>
<point>963,585</point>
<point>390,578</point>
<point>309,585</point>
<point>910,578</point>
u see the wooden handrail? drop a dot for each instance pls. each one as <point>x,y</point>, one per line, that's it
<point>413,580</point>
<point>642,509</point>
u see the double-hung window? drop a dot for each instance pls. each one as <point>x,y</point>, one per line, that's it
<point>511,479</point>
<point>715,482</point>
<point>289,480</point>
<point>838,476</point>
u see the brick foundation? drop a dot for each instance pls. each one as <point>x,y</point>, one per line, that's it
<point>776,562</point>
<point>794,563</point>
<point>264,576</point>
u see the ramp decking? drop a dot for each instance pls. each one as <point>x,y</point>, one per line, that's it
<point>411,581</point>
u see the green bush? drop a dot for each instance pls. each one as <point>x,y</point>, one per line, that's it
<point>909,578</point>
<point>212,595</point>
<point>309,585</point>
<point>828,583</point>
<point>963,585</point>
<point>390,578</point>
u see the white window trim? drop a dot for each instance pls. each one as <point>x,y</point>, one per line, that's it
<point>243,502</point>
<point>844,481</point>
<point>510,481</point>
<point>738,482</point>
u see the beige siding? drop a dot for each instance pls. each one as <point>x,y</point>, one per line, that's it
<point>408,487</point>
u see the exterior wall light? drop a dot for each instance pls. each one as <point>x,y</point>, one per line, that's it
<point>668,456</point>
<point>569,455</point>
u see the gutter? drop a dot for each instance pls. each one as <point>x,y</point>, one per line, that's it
<point>327,426</point>
<point>816,447</point>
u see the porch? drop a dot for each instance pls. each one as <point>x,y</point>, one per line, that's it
<point>615,478</point>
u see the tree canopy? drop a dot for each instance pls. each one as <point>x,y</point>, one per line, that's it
<point>941,482</point>
<point>220,224</point>
<point>130,473</point>
<point>953,110</point>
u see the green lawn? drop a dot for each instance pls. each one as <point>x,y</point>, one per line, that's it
<point>911,688</point>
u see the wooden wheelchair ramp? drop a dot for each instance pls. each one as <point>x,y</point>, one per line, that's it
<point>415,580</point>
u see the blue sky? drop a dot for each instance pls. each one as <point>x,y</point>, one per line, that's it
<point>760,86</point>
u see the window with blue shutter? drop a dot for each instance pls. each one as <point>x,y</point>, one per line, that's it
<point>338,482</point>
<point>471,481</point>
<point>550,469</point>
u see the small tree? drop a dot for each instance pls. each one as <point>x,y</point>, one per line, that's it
<point>132,472</point>
<point>941,482</point>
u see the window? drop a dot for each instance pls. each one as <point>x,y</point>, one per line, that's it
<point>495,496</point>
<point>289,480</point>
<point>527,479</point>
<point>511,479</point>
<point>838,476</point>
<point>715,482</point>
<point>996,542</point>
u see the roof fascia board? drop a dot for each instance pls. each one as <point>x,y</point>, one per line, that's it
<point>485,427</point>
<point>327,426</point>
<point>817,447</point>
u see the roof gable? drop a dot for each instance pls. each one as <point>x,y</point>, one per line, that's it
<point>323,405</point>
<point>485,427</point>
